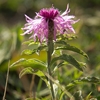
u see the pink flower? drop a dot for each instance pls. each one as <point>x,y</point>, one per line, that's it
<point>39,26</point>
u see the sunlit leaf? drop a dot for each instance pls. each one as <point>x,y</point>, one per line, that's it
<point>61,96</point>
<point>35,50</point>
<point>33,43</point>
<point>39,73</point>
<point>17,62</point>
<point>27,70</point>
<point>40,62</point>
<point>34,63</point>
<point>88,96</point>
<point>69,59</point>
<point>28,52</point>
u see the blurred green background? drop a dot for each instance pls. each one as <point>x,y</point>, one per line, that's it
<point>87,30</point>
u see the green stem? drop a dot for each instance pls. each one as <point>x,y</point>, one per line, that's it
<point>49,53</point>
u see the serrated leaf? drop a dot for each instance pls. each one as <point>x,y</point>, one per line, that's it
<point>34,63</point>
<point>69,59</point>
<point>72,48</point>
<point>39,73</point>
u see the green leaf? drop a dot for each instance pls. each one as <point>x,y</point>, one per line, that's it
<point>88,96</point>
<point>39,62</point>
<point>73,84</point>
<point>66,37</point>
<point>35,50</point>
<point>69,59</point>
<point>17,62</point>
<point>58,65</point>
<point>90,79</point>
<point>27,70</point>
<point>39,73</point>
<point>30,42</point>
<point>61,42</point>
<point>36,47</point>
<point>34,63</point>
<point>82,80</point>
<point>28,52</point>
<point>63,63</point>
<point>71,48</point>
<point>33,43</point>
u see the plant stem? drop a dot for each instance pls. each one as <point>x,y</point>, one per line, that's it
<point>49,53</point>
<point>6,82</point>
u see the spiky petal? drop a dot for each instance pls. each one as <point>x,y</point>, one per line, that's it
<point>39,26</point>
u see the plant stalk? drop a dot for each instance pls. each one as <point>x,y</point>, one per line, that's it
<point>6,82</point>
<point>49,54</point>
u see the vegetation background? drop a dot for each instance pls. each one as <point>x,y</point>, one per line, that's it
<point>88,39</point>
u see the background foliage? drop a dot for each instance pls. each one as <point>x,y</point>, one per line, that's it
<point>88,38</point>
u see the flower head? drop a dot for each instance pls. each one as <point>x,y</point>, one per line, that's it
<point>47,20</point>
